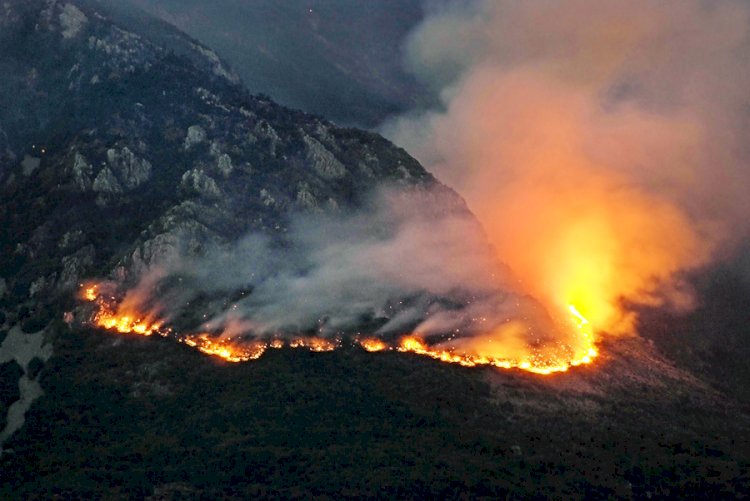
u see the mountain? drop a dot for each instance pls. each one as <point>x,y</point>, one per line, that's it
<point>114,142</point>
<point>337,58</point>
<point>125,142</point>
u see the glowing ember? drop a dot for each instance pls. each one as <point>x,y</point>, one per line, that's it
<point>314,343</point>
<point>90,293</point>
<point>116,317</point>
<point>539,362</point>
<point>373,344</point>
<point>228,349</point>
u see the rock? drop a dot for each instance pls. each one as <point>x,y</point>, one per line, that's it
<point>75,267</point>
<point>216,65</point>
<point>29,164</point>
<point>82,172</point>
<point>305,199</point>
<point>266,198</point>
<point>195,135</point>
<point>71,239</point>
<point>264,130</point>
<point>72,20</point>
<point>179,238</point>
<point>322,160</point>
<point>197,181</point>
<point>36,286</point>
<point>131,170</point>
<point>224,165</point>
<point>106,182</point>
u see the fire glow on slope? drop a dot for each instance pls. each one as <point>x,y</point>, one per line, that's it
<point>116,317</point>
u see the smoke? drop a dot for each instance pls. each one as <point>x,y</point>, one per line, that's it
<point>411,261</point>
<point>602,144</point>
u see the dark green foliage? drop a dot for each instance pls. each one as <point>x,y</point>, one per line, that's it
<point>148,415</point>
<point>35,367</point>
<point>10,372</point>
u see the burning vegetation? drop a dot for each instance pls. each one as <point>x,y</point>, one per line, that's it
<point>121,317</point>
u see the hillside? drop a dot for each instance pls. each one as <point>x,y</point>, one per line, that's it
<point>123,144</point>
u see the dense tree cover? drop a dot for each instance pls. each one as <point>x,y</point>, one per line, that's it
<point>135,417</point>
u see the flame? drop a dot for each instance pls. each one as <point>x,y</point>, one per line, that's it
<point>545,360</point>
<point>228,349</point>
<point>90,293</point>
<point>117,317</point>
<point>317,344</point>
<point>372,344</point>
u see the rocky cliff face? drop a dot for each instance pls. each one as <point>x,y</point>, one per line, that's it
<point>118,145</point>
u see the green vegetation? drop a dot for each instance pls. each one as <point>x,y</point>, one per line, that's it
<point>129,417</point>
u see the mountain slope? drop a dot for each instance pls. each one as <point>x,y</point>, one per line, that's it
<point>338,58</point>
<point>118,151</point>
<point>113,144</point>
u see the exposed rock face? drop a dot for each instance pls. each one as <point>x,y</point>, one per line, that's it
<point>131,170</point>
<point>195,135</point>
<point>197,181</point>
<point>82,172</point>
<point>322,160</point>
<point>72,20</point>
<point>146,146</point>
<point>106,182</point>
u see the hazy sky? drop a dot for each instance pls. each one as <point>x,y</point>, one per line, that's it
<point>338,58</point>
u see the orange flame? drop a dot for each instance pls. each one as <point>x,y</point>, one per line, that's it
<point>540,361</point>
<point>228,349</point>
<point>115,317</point>
<point>545,360</point>
<point>317,344</point>
<point>372,344</point>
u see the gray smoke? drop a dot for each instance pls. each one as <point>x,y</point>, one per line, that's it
<point>412,260</point>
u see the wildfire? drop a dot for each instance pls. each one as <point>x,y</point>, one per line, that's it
<point>373,344</point>
<point>114,316</point>
<point>228,349</point>
<point>317,344</point>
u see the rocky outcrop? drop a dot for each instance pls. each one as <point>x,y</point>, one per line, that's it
<point>106,182</point>
<point>153,142</point>
<point>195,135</point>
<point>322,160</point>
<point>72,20</point>
<point>82,172</point>
<point>131,170</point>
<point>198,182</point>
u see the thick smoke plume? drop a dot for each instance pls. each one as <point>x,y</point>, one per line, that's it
<point>602,144</point>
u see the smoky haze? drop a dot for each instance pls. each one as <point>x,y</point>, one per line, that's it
<point>410,261</point>
<point>337,58</point>
<point>603,145</point>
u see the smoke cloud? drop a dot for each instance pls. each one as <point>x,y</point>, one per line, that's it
<point>411,261</point>
<point>603,145</point>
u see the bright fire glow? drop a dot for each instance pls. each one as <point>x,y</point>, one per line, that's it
<point>113,316</point>
<point>116,317</point>
<point>373,344</point>
<point>540,362</point>
<point>228,349</point>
